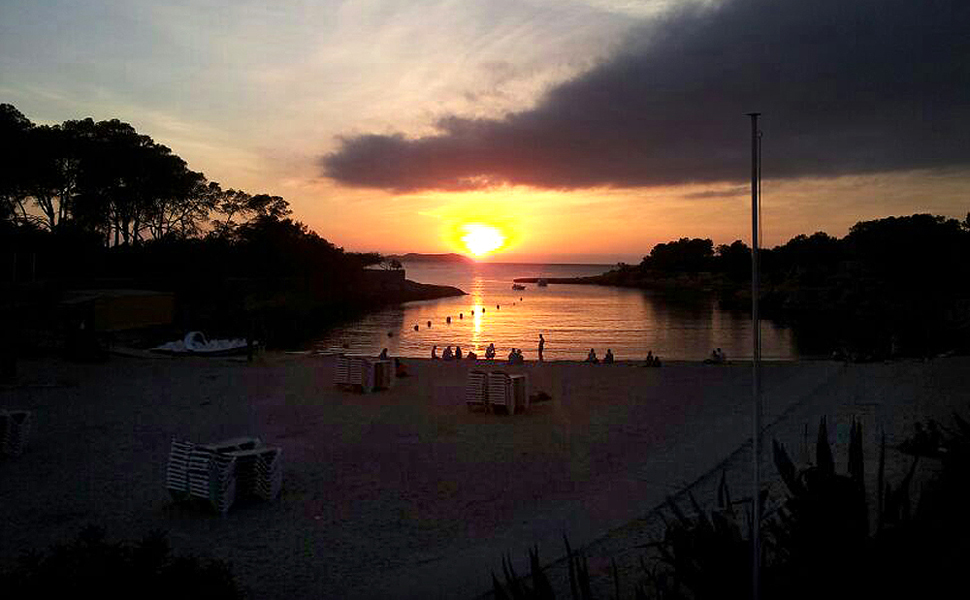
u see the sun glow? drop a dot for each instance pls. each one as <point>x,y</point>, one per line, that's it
<point>480,239</point>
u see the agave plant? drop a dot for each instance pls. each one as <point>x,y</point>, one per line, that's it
<point>702,555</point>
<point>517,588</point>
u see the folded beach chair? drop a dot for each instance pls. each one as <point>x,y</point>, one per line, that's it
<point>476,390</point>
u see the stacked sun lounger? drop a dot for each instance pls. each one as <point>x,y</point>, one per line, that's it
<point>510,392</point>
<point>342,376</point>
<point>498,390</point>
<point>224,472</point>
<point>519,392</point>
<point>383,374</point>
<point>476,390</point>
<point>259,473</point>
<point>177,474</point>
<point>368,373</point>
<point>14,431</point>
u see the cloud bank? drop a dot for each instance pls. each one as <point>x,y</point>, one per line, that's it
<point>846,87</point>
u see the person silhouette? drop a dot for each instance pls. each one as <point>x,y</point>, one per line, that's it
<point>434,353</point>
<point>447,354</point>
<point>457,352</point>
<point>542,345</point>
<point>608,359</point>
<point>383,354</point>
<point>591,357</point>
<point>490,352</point>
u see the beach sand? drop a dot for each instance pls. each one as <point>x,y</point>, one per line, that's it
<point>405,493</point>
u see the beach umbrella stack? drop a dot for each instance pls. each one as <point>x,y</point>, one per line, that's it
<point>14,431</point>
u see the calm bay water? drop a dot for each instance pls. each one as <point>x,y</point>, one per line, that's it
<point>573,319</point>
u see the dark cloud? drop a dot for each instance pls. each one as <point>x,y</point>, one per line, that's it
<point>725,193</point>
<point>846,86</point>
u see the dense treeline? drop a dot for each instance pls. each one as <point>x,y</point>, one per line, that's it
<point>96,204</point>
<point>899,285</point>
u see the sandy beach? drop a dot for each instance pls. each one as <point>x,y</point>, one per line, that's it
<point>405,493</point>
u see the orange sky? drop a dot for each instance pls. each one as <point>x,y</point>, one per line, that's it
<point>253,94</point>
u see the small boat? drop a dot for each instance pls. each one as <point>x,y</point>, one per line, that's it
<point>195,343</point>
<point>516,286</point>
<point>542,283</point>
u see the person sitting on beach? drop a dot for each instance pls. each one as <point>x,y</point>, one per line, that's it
<point>490,352</point>
<point>471,355</point>
<point>400,369</point>
<point>591,357</point>
<point>434,353</point>
<point>447,354</point>
<point>519,358</point>
<point>608,359</point>
<point>383,354</point>
<point>656,361</point>
<point>457,352</point>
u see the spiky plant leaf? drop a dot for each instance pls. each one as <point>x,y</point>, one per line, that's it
<point>823,452</point>
<point>616,579</point>
<point>786,468</point>
<point>573,585</point>
<point>880,478</point>
<point>543,589</point>
<point>497,589</point>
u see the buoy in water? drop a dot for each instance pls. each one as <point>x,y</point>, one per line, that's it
<point>498,307</point>
<point>390,334</point>
<point>429,323</point>
<point>461,315</point>
<point>448,320</point>
<point>416,328</point>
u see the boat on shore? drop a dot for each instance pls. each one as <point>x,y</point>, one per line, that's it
<point>542,282</point>
<point>516,286</point>
<point>195,344</point>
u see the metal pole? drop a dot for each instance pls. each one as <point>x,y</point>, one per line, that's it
<point>756,375</point>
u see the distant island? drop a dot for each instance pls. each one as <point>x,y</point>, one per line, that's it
<point>450,257</point>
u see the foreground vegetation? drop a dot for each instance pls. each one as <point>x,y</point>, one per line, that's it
<point>92,567</point>
<point>821,538</point>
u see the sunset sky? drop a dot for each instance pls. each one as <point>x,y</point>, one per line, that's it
<point>584,130</point>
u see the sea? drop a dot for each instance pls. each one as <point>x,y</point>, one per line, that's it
<point>572,318</point>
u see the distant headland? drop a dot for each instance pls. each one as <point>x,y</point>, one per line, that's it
<point>450,257</point>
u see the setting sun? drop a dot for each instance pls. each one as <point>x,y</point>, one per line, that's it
<point>481,239</point>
